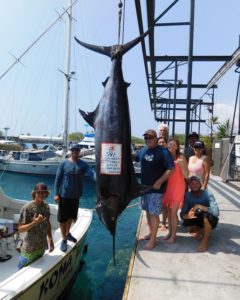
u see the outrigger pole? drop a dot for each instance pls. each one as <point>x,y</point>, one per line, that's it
<point>17,60</point>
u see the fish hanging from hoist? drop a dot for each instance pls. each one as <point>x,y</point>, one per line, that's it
<point>116,181</point>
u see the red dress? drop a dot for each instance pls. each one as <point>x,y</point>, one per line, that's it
<point>175,188</point>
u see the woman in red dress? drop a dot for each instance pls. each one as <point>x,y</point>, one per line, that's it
<point>174,195</point>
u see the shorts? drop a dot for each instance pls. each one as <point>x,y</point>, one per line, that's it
<point>67,209</point>
<point>152,203</point>
<point>28,257</point>
<point>199,220</point>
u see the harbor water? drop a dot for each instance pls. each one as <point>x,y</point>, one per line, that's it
<point>98,278</point>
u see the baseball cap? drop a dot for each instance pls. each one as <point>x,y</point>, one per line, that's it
<point>194,177</point>
<point>150,132</point>
<point>192,134</point>
<point>41,187</point>
<point>74,147</point>
<point>199,144</point>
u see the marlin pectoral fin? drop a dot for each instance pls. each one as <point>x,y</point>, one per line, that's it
<point>100,49</point>
<point>88,117</point>
<point>105,82</point>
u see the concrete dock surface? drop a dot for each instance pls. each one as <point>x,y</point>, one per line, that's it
<point>179,271</point>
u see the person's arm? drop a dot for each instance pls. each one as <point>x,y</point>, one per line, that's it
<point>37,219</point>
<point>137,156</point>
<point>169,165</point>
<point>183,165</point>
<point>185,209</point>
<point>213,209</point>
<point>50,239</point>
<point>90,172</point>
<point>58,182</point>
<point>206,167</point>
<point>157,184</point>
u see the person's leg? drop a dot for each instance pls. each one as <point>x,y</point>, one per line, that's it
<point>63,229</point>
<point>145,206</point>
<point>174,223</point>
<point>147,236</point>
<point>154,223</point>
<point>68,226</point>
<point>154,205</point>
<point>207,228</point>
<point>166,237</point>
<point>164,218</point>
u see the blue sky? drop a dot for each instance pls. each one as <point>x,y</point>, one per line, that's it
<point>31,94</point>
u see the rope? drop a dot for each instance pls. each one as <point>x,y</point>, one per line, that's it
<point>120,5</point>
<point>121,22</point>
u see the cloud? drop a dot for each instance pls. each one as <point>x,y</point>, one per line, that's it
<point>223,112</point>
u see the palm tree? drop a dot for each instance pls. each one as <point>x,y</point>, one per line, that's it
<point>223,129</point>
<point>213,121</point>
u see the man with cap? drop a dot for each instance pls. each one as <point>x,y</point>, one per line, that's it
<point>192,138</point>
<point>68,190</point>
<point>156,167</point>
<point>200,212</point>
<point>34,222</point>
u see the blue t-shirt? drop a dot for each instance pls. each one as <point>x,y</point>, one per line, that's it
<point>205,198</point>
<point>68,182</point>
<point>154,163</point>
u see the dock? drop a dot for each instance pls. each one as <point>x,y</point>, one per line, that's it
<point>179,271</point>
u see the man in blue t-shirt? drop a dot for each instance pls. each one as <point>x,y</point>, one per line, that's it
<point>200,212</point>
<point>68,189</point>
<point>156,167</point>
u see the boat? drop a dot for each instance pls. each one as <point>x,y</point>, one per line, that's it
<point>88,142</point>
<point>31,161</point>
<point>50,276</point>
<point>87,146</point>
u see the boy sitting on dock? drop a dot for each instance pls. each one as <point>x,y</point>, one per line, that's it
<point>200,212</point>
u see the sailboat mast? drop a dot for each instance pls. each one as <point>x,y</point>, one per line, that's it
<point>67,76</point>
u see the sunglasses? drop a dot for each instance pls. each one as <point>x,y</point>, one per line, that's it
<point>148,138</point>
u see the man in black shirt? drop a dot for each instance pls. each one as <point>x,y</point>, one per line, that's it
<point>156,166</point>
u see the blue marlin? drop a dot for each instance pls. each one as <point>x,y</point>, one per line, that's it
<point>116,181</point>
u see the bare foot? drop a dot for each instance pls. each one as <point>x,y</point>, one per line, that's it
<point>144,237</point>
<point>166,237</point>
<point>150,245</point>
<point>203,247</point>
<point>163,228</point>
<point>171,240</point>
<point>196,235</point>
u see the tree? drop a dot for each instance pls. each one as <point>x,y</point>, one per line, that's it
<point>223,129</point>
<point>212,122</point>
<point>75,136</point>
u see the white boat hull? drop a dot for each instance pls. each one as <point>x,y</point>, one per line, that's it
<point>51,275</point>
<point>30,167</point>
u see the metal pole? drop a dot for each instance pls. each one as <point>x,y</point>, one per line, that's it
<point>67,77</point>
<point>6,130</point>
<point>190,54</point>
<point>175,97</point>
<point>199,118</point>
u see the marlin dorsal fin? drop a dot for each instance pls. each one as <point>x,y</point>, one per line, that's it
<point>88,117</point>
